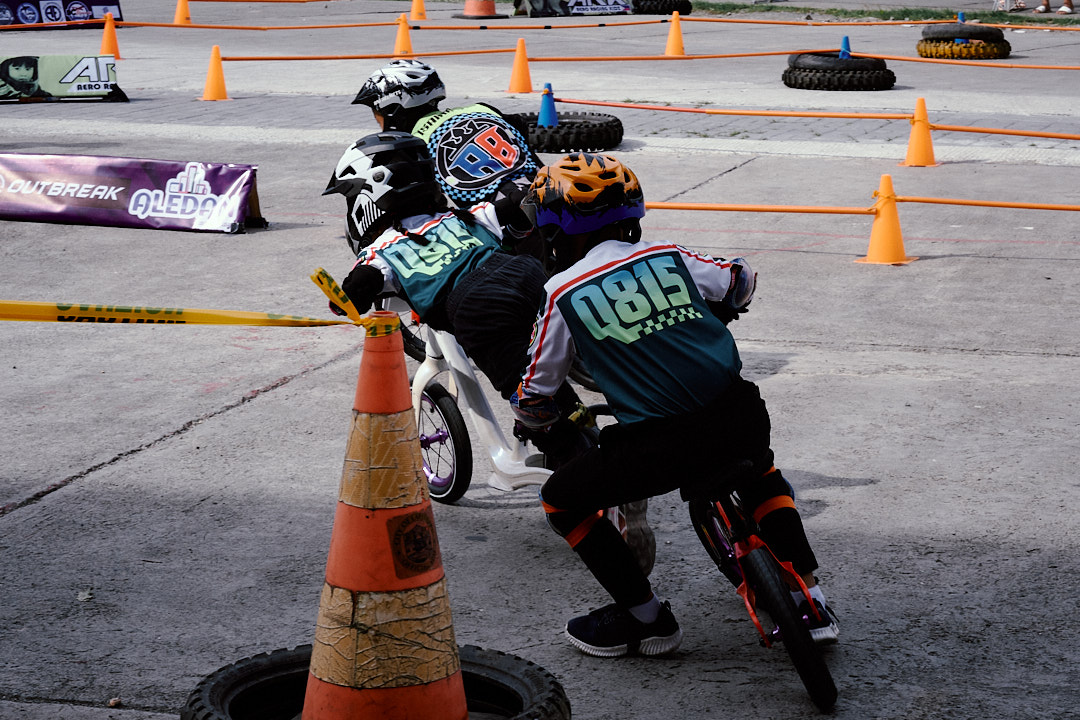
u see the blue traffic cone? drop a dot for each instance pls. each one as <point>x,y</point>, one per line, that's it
<point>960,16</point>
<point>547,116</point>
<point>845,49</point>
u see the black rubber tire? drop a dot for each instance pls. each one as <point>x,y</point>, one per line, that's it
<point>663,7</point>
<point>952,50</point>
<point>576,131</point>
<point>962,31</point>
<point>271,686</point>
<point>833,62</point>
<point>415,347</point>
<point>448,460</point>
<point>773,596</point>
<point>801,79</point>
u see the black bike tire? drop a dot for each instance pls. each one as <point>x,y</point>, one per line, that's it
<point>271,686</point>
<point>832,62</point>
<point>845,80</point>
<point>450,415</point>
<point>576,132</point>
<point>952,50</point>
<point>962,31</point>
<point>772,594</point>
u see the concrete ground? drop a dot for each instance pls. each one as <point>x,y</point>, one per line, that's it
<point>168,492</point>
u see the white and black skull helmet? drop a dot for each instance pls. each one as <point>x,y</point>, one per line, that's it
<point>384,175</point>
<point>397,89</point>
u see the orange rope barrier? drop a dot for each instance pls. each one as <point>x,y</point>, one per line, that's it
<point>999,131</point>
<point>377,56</point>
<point>756,113</point>
<point>804,23</point>
<point>725,207</point>
<point>985,203</point>
<point>670,57</point>
<point>536,27</point>
<point>977,63</point>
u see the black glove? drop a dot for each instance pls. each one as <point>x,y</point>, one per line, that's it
<point>362,285</point>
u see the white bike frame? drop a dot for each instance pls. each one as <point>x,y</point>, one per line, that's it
<point>513,466</point>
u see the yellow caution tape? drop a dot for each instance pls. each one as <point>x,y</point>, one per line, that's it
<point>83,312</point>
<point>378,324</point>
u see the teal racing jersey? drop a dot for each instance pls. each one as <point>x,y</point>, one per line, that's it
<point>637,315</point>
<point>425,265</point>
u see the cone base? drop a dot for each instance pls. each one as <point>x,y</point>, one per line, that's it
<point>902,261</point>
<point>480,17</point>
<point>917,164</point>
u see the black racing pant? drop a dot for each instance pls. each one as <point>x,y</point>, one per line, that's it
<point>654,457</point>
<point>492,312</point>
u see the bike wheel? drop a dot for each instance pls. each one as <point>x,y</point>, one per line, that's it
<point>410,327</point>
<point>444,445</point>
<point>773,596</point>
<point>712,532</point>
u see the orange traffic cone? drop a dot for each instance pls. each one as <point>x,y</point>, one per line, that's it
<point>480,10</point>
<point>886,242</point>
<point>108,38</point>
<point>417,11</point>
<point>674,37</point>
<point>183,14</point>
<point>920,151</point>
<point>520,80</point>
<point>384,641</point>
<point>215,78</point>
<point>402,44</point>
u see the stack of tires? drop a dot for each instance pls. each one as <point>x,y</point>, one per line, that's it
<point>829,71</point>
<point>963,41</point>
<point>576,132</point>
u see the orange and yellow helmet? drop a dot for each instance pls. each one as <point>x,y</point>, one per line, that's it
<point>583,192</point>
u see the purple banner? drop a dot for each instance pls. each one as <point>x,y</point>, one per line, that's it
<point>128,192</point>
<point>59,12</point>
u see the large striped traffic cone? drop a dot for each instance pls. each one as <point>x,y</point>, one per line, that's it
<point>384,642</point>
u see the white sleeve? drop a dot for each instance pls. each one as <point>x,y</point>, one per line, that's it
<point>551,352</point>
<point>711,275</point>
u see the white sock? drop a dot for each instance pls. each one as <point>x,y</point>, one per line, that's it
<point>647,612</point>
<point>815,592</point>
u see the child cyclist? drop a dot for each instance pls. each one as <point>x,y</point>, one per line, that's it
<point>480,154</point>
<point>649,319</point>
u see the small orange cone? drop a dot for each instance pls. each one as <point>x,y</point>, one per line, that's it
<point>417,11</point>
<point>520,80</point>
<point>886,241</point>
<point>108,38</point>
<point>384,640</point>
<point>215,78</point>
<point>402,44</point>
<point>183,14</point>
<point>674,37</point>
<point>920,151</point>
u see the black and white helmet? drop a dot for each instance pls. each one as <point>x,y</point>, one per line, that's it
<point>384,175</point>
<point>397,89</point>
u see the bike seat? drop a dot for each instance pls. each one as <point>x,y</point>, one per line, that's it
<point>727,479</point>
